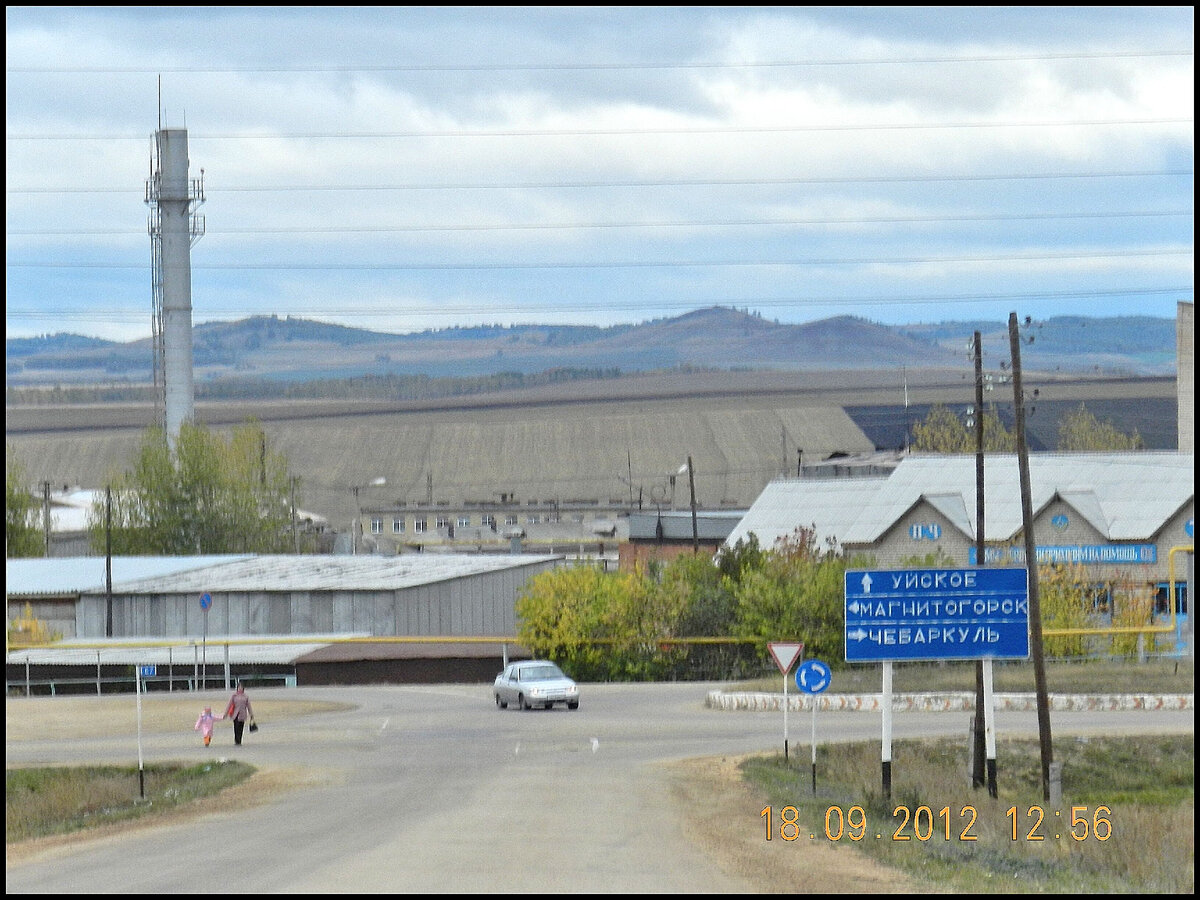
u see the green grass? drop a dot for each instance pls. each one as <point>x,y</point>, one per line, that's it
<point>1099,676</point>
<point>39,802</point>
<point>1143,842</point>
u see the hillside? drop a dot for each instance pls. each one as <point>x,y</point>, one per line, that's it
<point>265,349</point>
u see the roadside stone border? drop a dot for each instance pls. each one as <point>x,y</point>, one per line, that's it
<point>941,702</point>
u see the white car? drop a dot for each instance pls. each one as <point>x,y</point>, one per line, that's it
<point>535,682</point>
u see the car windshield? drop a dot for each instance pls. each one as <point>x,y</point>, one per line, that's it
<point>541,673</point>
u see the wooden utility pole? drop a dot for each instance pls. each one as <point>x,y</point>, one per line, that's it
<point>1035,605</point>
<point>692,489</point>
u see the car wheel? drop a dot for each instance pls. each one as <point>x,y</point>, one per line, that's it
<point>522,702</point>
<point>574,705</point>
<point>500,704</point>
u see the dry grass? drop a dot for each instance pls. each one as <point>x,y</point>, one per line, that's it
<point>1135,794</point>
<point>44,801</point>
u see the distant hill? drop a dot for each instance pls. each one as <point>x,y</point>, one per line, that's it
<point>272,349</point>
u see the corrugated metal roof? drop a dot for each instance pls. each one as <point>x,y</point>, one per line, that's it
<point>1125,496</point>
<point>317,573</point>
<point>830,505</point>
<point>84,574</point>
<point>677,525</point>
<point>1133,493</point>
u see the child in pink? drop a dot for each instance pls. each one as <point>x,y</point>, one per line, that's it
<point>204,724</point>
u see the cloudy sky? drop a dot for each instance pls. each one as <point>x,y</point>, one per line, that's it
<point>412,168</point>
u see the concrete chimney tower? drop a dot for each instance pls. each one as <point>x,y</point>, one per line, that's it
<point>174,227</point>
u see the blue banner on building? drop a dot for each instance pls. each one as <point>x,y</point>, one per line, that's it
<point>1085,554</point>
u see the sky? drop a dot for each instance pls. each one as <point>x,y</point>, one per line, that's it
<point>411,168</point>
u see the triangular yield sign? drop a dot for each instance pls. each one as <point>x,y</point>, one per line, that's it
<point>786,653</point>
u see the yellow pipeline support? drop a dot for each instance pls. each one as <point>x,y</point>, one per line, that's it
<point>1183,548</point>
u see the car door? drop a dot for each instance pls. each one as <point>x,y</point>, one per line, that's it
<point>507,688</point>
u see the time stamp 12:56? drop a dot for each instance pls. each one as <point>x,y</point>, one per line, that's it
<point>924,823</point>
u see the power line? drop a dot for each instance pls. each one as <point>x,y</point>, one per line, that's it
<point>642,183</point>
<point>566,226</point>
<point>612,132</point>
<point>617,264</point>
<point>604,67</point>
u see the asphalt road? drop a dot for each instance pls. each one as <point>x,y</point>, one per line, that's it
<point>431,789</point>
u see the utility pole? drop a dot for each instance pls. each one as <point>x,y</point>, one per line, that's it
<point>46,516</point>
<point>978,773</point>
<point>295,529</point>
<point>1035,605</point>
<point>692,488</point>
<point>108,618</point>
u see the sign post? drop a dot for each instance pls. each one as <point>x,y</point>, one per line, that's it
<point>812,677</point>
<point>935,614</point>
<point>205,603</point>
<point>143,672</point>
<point>785,654</point>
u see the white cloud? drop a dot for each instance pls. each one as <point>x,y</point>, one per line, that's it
<point>674,147</point>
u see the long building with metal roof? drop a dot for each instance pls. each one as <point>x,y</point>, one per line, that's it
<point>416,595</point>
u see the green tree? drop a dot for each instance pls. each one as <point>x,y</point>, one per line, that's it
<point>1063,592</point>
<point>211,495</point>
<point>22,536</point>
<point>705,605</point>
<point>568,615</point>
<point>1080,430</point>
<point>942,431</point>
<point>745,555</point>
<point>799,592</point>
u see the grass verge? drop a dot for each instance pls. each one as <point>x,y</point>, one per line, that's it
<point>40,802</point>
<point>1131,800</point>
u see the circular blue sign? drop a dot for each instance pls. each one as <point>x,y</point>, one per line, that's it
<point>813,676</point>
<point>205,601</point>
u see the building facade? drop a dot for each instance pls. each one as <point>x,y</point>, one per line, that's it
<point>1125,517</point>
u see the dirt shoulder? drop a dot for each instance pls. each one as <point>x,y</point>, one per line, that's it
<point>722,812</point>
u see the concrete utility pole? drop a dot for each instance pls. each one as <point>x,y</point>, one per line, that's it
<point>982,769</point>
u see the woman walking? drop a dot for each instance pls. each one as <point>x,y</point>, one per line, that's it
<point>240,711</point>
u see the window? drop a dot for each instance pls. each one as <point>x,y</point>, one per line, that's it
<point>397,526</point>
<point>533,520</point>
<point>510,520</point>
<point>488,520</point>
<point>464,521</point>
<point>376,526</point>
<point>443,522</point>
<point>419,525</point>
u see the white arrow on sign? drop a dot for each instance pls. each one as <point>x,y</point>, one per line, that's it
<point>857,635</point>
<point>866,583</point>
<point>785,654</point>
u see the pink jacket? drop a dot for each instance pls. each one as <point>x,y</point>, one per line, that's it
<point>204,724</point>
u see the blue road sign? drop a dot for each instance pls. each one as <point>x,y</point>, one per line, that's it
<point>148,671</point>
<point>205,601</point>
<point>813,676</point>
<point>925,614</point>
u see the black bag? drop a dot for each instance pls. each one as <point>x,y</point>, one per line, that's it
<point>253,726</point>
